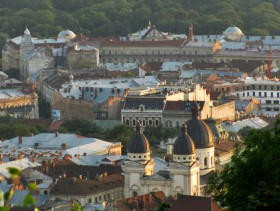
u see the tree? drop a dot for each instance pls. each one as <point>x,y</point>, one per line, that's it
<point>120,133</point>
<point>251,181</point>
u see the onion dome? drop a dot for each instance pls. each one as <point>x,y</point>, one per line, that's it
<point>198,130</point>
<point>184,144</point>
<point>139,143</point>
<point>66,34</point>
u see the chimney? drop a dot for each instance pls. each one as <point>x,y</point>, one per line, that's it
<point>64,146</point>
<point>190,35</point>
<point>19,139</point>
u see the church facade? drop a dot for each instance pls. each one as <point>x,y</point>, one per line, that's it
<point>193,159</point>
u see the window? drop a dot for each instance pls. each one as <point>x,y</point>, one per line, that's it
<point>100,198</point>
<point>247,93</point>
<point>150,122</point>
<point>134,193</point>
<point>260,94</point>
<point>271,87</point>
<point>45,192</point>
<point>133,122</point>
<point>205,162</point>
<point>277,94</point>
<point>254,87</point>
<point>268,101</point>
<point>276,109</point>
<point>127,121</point>
<point>243,94</point>
<point>157,122</point>
<point>248,87</point>
<point>89,201</point>
<point>265,87</point>
<point>265,95</point>
<point>254,94</point>
<point>271,94</point>
<point>276,101</point>
<point>260,87</point>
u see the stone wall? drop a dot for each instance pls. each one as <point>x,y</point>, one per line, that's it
<point>224,112</point>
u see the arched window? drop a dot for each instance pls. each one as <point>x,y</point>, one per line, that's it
<point>127,121</point>
<point>133,122</point>
<point>134,193</point>
<point>156,122</point>
<point>150,122</point>
<point>144,122</point>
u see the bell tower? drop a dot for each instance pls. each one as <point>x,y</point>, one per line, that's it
<point>138,164</point>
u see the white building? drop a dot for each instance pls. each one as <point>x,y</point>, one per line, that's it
<point>193,160</point>
<point>265,90</point>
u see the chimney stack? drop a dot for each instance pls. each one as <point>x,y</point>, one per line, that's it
<point>19,139</point>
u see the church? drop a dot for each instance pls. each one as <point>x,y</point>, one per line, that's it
<point>186,173</point>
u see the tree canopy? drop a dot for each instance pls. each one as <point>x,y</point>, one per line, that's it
<point>46,18</point>
<point>251,181</point>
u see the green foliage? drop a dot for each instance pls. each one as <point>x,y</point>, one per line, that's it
<point>84,128</point>
<point>244,132</point>
<point>122,133</point>
<point>251,181</point>
<point>76,206</point>
<point>11,127</point>
<point>28,200</point>
<point>14,172</point>
<point>46,18</point>
<point>44,107</point>
<point>156,134</point>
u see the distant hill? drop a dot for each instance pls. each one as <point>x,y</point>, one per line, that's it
<point>45,18</point>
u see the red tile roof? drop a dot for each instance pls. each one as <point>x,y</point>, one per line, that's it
<point>194,203</point>
<point>142,43</point>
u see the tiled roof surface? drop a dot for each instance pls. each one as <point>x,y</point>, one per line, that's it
<point>149,103</point>
<point>68,186</point>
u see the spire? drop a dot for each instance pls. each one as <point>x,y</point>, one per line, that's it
<point>195,110</point>
<point>138,127</point>
<point>26,31</point>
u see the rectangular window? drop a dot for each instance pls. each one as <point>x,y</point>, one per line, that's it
<point>271,87</point>
<point>260,94</point>
<point>277,94</point>
<point>254,87</point>
<point>276,109</point>
<point>271,94</point>
<point>276,101</point>
<point>248,87</point>
<point>268,109</point>
<point>265,87</point>
<point>260,87</point>
<point>254,94</point>
<point>268,101</point>
<point>247,93</point>
<point>278,87</point>
<point>265,95</point>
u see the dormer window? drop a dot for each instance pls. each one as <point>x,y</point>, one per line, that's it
<point>142,107</point>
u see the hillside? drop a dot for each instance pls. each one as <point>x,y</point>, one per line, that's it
<point>45,18</point>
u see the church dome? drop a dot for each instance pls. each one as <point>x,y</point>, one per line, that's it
<point>233,33</point>
<point>199,131</point>
<point>183,145</point>
<point>67,34</point>
<point>139,143</point>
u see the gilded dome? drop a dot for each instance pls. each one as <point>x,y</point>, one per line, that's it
<point>184,144</point>
<point>139,143</point>
<point>199,131</point>
<point>67,34</point>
